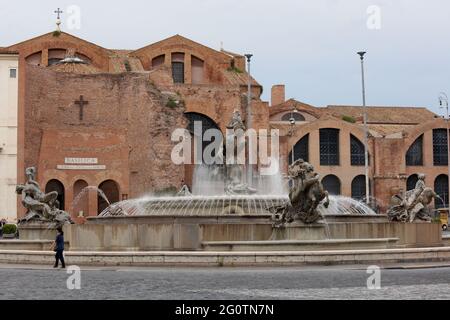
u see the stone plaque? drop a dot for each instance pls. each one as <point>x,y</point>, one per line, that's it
<point>80,167</point>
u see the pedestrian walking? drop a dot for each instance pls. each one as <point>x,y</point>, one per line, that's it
<point>58,247</point>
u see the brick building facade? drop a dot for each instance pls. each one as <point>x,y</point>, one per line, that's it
<point>94,117</point>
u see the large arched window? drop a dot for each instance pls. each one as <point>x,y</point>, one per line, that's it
<point>56,185</point>
<point>359,187</point>
<point>441,188</point>
<point>178,67</point>
<point>293,115</point>
<point>205,123</point>
<point>332,184</point>
<point>357,151</point>
<point>440,156</point>
<point>301,150</point>
<point>110,190</point>
<point>414,156</point>
<point>329,147</point>
<point>411,182</point>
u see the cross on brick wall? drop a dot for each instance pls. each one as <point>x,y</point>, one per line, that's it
<point>81,103</point>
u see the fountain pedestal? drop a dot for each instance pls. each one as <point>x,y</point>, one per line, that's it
<point>37,231</point>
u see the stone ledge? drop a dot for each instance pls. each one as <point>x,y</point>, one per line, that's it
<point>210,258</point>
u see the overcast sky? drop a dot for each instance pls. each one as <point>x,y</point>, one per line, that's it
<point>308,45</point>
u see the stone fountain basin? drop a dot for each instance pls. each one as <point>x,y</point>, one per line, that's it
<point>160,233</point>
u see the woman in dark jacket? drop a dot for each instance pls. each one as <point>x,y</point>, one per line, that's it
<point>59,248</point>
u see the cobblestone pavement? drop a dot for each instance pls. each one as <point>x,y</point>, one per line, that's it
<point>23,282</point>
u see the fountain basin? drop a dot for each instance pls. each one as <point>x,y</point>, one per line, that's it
<point>172,233</point>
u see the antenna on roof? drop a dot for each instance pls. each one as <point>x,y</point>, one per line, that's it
<point>221,45</point>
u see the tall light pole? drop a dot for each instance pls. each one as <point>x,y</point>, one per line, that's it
<point>248,115</point>
<point>291,132</point>
<point>443,103</point>
<point>366,131</point>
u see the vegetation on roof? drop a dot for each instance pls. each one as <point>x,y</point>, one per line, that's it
<point>235,69</point>
<point>348,119</point>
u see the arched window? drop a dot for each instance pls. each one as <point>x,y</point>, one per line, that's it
<point>357,151</point>
<point>110,191</point>
<point>440,156</point>
<point>414,156</point>
<point>329,147</point>
<point>35,58</point>
<point>197,66</point>
<point>294,115</point>
<point>80,198</point>
<point>159,60</point>
<point>441,188</point>
<point>56,185</point>
<point>301,149</point>
<point>332,184</point>
<point>83,57</point>
<point>359,187</point>
<point>178,67</point>
<point>411,182</point>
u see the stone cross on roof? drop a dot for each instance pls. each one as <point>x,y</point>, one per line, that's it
<point>58,18</point>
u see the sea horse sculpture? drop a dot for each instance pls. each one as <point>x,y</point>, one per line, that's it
<point>40,206</point>
<point>305,194</point>
<point>412,205</point>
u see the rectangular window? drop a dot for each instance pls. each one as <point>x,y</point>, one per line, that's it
<point>329,147</point>
<point>440,156</point>
<point>13,73</point>
<point>178,72</point>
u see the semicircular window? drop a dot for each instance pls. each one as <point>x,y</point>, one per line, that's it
<point>332,184</point>
<point>414,155</point>
<point>293,115</point>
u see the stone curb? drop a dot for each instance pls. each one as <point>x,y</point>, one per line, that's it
<point>210,258</point>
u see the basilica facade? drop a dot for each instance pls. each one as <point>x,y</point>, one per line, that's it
<point>90,117</point>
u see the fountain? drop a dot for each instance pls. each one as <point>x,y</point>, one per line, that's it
<point>226,210</point>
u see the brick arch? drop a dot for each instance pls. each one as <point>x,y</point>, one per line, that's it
<point>98,55</point>
<point>287,109</point>
<point>413,134</point>
<point>323,124</point>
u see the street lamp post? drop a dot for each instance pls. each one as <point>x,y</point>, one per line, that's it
<point>366,131</point>
<point>248,115</point>
<point>291,133</point>
<point>443,103</point>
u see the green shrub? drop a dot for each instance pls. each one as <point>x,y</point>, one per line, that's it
<point>9,229</point>
<point>234,69</point>
<point>349,119</point>
<point>172,103</point>
<point>56,33</point>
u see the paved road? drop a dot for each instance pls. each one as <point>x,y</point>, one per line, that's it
<point>24,282</point>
